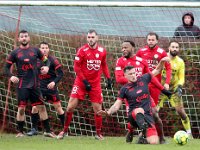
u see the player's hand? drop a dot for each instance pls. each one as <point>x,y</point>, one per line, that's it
<point>167,93</point>
<point>44,70</point>
<point>109,83</point>
<point>165,59</point>
<point>103,113</point>
<point>14,79</point>
<point>87,85</point>
<point>51,85</point>
<point>179,90</point>
<point>166,86</point>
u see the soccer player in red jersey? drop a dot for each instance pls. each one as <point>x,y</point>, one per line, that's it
<point>26,79</point>
<point>89,63</point>
<point>136,94</point>
<point>141,67</point>
<point>152,53</point>
<point>48,88</point>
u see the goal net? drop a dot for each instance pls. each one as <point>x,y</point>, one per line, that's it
<point>65,27</point>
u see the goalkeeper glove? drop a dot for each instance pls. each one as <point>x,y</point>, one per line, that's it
<point>109,83</point>
<point>179,90</point>
<point>87,85</point>
<point>167,93</point>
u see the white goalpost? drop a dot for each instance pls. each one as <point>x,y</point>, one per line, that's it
<point>63,25</point>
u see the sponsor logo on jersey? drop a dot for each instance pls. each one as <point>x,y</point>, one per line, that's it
<point>93,64</point>
<point>26,67</point>
<point>44,76</point>
<point>138,71</point>
<point>140,98</point>
<point>139,91</point>
<point>152,64</point>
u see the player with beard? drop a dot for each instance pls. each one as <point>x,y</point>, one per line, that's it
<point>141,67</point>
<point>26,79</point>
<point>176,84</point>
<point>153,54</point>
<point>48,85</point>
<point>89,63</point>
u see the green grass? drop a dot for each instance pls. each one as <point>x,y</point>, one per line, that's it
<point>10,142</point>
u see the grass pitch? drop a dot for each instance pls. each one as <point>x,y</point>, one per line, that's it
<point>39,142</point>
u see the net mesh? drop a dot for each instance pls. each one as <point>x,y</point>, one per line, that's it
<point>64,28</point>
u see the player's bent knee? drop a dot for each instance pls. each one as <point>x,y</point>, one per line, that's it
<point>153,139</point>
<point>138,110</point>
<point>152,135</point>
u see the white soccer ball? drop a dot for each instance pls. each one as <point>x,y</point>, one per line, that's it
<point>181,137</point>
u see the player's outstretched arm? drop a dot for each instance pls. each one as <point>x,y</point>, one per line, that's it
<point>114,108</point>
<point>160,66</point>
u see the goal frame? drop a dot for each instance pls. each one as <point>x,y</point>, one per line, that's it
<point>100,4</point>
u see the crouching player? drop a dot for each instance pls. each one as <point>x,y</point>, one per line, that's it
<point>136,95</point>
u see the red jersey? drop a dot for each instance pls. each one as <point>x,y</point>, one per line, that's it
<point>140,65</point>
<point>90,63</point>
<point>153,57</point>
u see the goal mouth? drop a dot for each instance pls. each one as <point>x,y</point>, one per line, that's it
<point>64,24</point>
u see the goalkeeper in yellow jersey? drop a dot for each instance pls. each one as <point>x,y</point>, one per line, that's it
<point>176,84</point>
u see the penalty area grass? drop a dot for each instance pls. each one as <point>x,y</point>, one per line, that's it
<point>39,142</point>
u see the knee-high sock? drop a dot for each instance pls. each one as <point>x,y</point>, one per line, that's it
<point>46,125</point>
<point>186,124</point>
<point>139,118</point>
<point>129,127</point>
<point>98,123</point>
<point>35,119</point>
<point>159,128</point>
<point>68,118</point>
<point>62,119</point>
<point>20,126</point>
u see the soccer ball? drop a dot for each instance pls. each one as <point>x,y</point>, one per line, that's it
<point>181,137</point>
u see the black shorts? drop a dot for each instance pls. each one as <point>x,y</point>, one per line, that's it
<point>50,95</point>
<point>33,95</point>
<point>148,118</point>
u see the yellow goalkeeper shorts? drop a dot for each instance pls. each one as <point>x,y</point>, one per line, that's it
<point>175,100</point>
